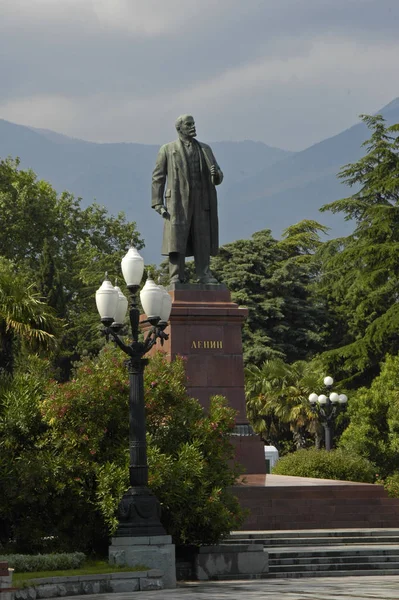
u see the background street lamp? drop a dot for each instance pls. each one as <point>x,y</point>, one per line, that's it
<point>139,509</point>
<point>326,407</point>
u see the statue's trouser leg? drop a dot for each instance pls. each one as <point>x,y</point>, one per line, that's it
<point>201,238</point>
<point>176,267</point>
<point>202,267</point>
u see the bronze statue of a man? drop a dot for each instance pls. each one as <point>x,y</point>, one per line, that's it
<point>183,192</point>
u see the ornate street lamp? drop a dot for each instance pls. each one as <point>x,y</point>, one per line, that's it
<point>326,406</point>
<point>139,509</point>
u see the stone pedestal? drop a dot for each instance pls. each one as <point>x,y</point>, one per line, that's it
<point>231,561</point>
<point>153,552</point>
<point>206,329</point>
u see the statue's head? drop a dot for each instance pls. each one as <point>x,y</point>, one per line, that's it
<point>185,125</point>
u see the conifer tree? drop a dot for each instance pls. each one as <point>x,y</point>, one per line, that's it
<point>360,272</point>
<point>271,278</point>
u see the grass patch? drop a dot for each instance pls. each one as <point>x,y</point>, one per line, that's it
<point>90,567</point>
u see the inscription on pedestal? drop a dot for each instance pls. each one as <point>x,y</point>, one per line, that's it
<point>207,344</point>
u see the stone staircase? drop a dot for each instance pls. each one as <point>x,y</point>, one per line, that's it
<point>326,553</point>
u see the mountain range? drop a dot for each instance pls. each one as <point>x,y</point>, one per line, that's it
<point>264,187</point>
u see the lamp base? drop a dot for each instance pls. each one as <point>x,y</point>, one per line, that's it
<point>156,552</point>
<point>139,514</point>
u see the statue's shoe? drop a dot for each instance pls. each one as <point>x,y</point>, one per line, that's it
<point>175,279</point>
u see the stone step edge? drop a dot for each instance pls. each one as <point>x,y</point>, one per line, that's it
<point>128,581</point>
<point>297,574</point>
<point>290,533</point>
<point>332,551</point>
<point>99,576</point>
<point>344,546</point>
<point>361,541</point>
<point>319,560</point>
<point>372,566</point>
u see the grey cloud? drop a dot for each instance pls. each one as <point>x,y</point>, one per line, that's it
<point>76,56</point>
<point>105,74</point>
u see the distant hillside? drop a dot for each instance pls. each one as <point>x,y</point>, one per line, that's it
<point>296,187</point>
<point>264,187</point>
<point>118,176</point>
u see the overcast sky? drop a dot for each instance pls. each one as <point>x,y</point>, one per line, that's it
<point>285,72</point>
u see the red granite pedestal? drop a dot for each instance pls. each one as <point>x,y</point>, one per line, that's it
<point>206,329</point>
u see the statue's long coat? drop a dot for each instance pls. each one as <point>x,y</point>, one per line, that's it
<point>171,188</point>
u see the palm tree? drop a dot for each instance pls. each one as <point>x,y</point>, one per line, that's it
<point>277,397</point>
<point>24,318</point>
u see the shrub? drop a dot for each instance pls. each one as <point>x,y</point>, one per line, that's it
<point>190,459</point>
<point>64,458</point>
<point>190,455</point>
<point>25,563</point>
<point>373,411</point>
<point>321,464</point>
<point>391,484</point>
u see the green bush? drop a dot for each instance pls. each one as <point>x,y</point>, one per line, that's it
<point>190,455</point>
<point>321,464</point>
<point>391,484</point>
<point>190,458</point>
<point>25,563</point>
<point>64,459</point>
<point>373,411</point>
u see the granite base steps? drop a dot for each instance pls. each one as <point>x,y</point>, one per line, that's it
<point>326,553</point>
<point>53,587</point>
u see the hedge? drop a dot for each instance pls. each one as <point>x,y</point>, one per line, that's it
<point>320,464</point>
<point>26,563</point>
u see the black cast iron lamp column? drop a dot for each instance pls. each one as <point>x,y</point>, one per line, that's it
<point>326,407</point>
<point>139,509</point>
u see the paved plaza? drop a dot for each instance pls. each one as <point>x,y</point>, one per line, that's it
<point>329,588</point>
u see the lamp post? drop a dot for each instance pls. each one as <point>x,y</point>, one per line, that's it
<point>139,509</point>
<point>325,406</point>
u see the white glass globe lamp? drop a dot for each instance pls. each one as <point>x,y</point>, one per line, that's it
<point>166,305</point>
<point>151,297</point>
<point>107,301</point>
<point>132,265</point>
<point>121,308</point>
<point>334,398</point>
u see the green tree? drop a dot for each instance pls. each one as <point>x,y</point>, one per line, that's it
<point>359,279</point>
<point>190,456</point>
<point>28,487</point>
<point>72,246</point>
<point>272,279</point>
<point>26,322</point>
<point>68,446</point>
<point>373,430</point>
<point>277,399</point>
<point>50,282</point>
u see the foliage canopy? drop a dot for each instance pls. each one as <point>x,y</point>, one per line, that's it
<point>63,251</point>
<point>271,278</point>
<point>359,275</point>
<point>64,456</point>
